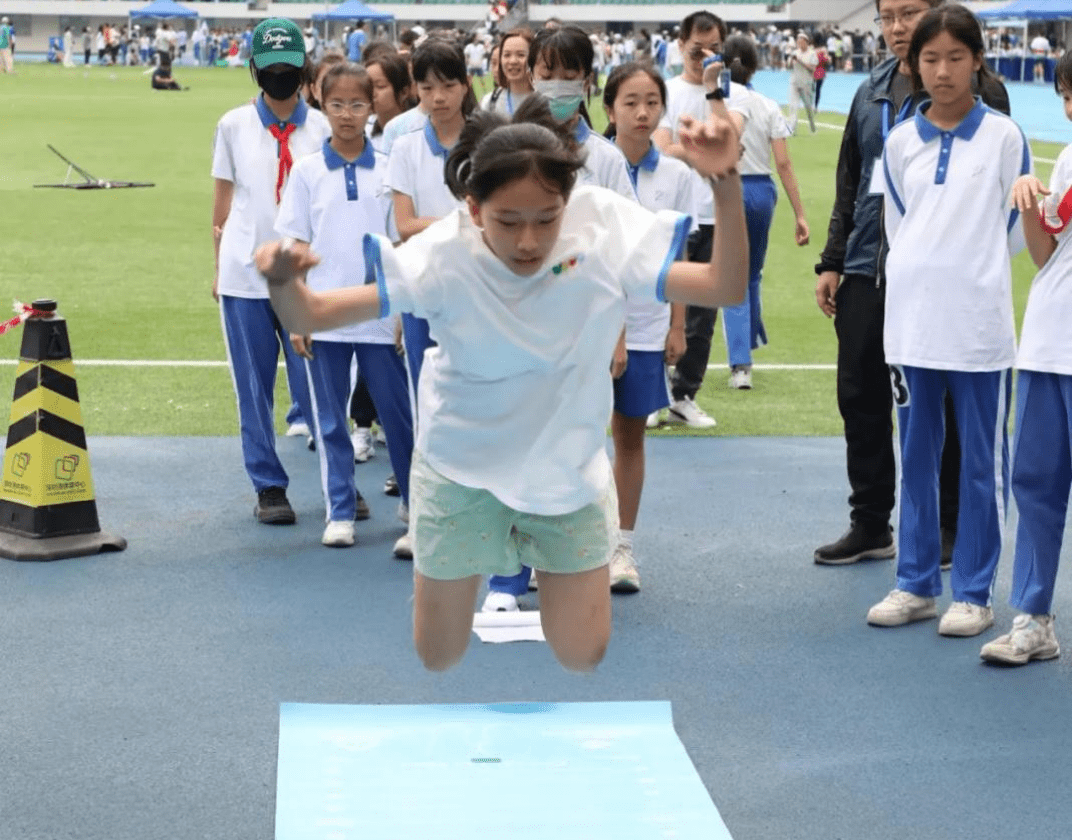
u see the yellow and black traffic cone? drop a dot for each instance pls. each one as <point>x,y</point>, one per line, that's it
<point>47,507</point>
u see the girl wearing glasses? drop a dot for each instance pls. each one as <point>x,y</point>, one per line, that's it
<point>334,196</point>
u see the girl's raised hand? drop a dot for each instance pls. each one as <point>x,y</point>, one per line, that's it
<point>1025,193</point>
<point>284,260</point>
<point>713,147</point>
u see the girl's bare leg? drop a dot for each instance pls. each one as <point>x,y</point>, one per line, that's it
<point>575,614</point>
<point>628,435</point>
<point>443,619</point>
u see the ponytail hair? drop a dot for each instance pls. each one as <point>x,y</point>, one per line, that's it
<point>493,151</point>
<point>740,57</point>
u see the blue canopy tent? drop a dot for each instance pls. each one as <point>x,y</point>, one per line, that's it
<point>1023,13</point>
<point>354,10</point>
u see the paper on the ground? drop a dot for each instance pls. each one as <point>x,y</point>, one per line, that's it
<point>575,771</point>
<point>516,626</point>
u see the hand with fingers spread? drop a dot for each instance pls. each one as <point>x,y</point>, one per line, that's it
<point>1026,192</point>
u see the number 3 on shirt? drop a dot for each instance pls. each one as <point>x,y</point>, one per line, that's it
<point>901,397</point>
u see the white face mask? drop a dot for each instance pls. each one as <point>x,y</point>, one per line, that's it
<point>563,95</point>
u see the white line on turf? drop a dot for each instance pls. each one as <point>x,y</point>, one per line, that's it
<point>180,363</point>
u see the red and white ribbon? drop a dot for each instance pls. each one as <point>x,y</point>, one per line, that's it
<point>24,311</point>
<point>1064,215</point>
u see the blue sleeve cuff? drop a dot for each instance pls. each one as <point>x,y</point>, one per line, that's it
<point>676,252</point>
<point>374,271</point>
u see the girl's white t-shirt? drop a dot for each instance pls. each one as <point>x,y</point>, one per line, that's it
<point>662,183</point>
<point>516,397</point>
<point>332,204</point>
<point>951,233</point>
<point>604,163</point>
<point>764,122</point>
<point>415,168</point>
<point>1046,338</point>
<point>247,155</point>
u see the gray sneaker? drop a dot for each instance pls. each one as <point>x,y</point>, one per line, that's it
<point>1031,637</point>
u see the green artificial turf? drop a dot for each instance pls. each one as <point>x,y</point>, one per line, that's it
<point>132,269</point>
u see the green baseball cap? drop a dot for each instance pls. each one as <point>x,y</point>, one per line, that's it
<point>277,41</point>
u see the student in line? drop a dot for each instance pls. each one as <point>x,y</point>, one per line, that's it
<point>949,319</point>
<point>255,147</point>
<point>635,97</point>
<point>334,196</point>
<point>526,289</point>
<point>1042,466</point>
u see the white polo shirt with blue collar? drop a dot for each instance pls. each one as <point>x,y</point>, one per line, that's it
<point>331,203</point>
<point>662,182</point>
<point>951,233</point>
<point>604,163</point>
<point>415,168</point>
<point>247,155</point>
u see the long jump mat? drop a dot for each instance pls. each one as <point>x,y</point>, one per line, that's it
<point>523,771</point>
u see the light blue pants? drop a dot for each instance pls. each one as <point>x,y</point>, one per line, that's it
<point>743,324</point>
<point>981,405</point>
<point>253,336</point>
<point>1041,479</point>
<point>329,375</point>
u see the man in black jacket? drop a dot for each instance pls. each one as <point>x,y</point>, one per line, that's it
<point>851,289</point>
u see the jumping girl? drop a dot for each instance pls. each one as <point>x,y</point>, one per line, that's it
<point>334,196</point>
<point>949,319</point>
<point>635,97</point>
<point>1042,469</point>
<point>511,72</point>
<point>765,131</point>
<point>525,288</point>
<point>255,147</point>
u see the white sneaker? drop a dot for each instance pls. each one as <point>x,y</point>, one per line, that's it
<point>364,448</point>
<point>534,584</point>
<point>1031,637</point>
<point>655,420</point>
<point>965,619</point>
<point>900,607</point>
<point>741,379</point>
<point>403,548</point>
<point>686,411</point>
<point>624,577</point>
<point>500,602</point>
<point>403,512</point>
<point>298,430</point>
<point>338,534</point>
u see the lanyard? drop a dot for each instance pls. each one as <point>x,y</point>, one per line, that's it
<point>887,124</point>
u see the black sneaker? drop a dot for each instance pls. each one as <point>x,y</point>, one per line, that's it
<point>857,544</point>
<point>949,537</point>
<point>273,508</point>
<point>390,487</point>
<point>361,511</point>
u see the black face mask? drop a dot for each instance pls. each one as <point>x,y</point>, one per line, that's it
<point>279,86</point>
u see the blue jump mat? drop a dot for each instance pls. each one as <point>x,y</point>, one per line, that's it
<point>567,771</point>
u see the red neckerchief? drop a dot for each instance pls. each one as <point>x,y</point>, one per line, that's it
<point>286,161</point>
<point>1064,213</point>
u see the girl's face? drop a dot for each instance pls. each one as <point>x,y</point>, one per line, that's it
<point>947,68</point>
<point>347,108</point>
<point>514,56</point>
<point>1066,98</point>
<point>637,108</point>
<point>521,221</point>
<point>384,101</point>
<point>441,98</point>
<point>558,73</point>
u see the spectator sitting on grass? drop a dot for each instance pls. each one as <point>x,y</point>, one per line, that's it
<point>162,79</point>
